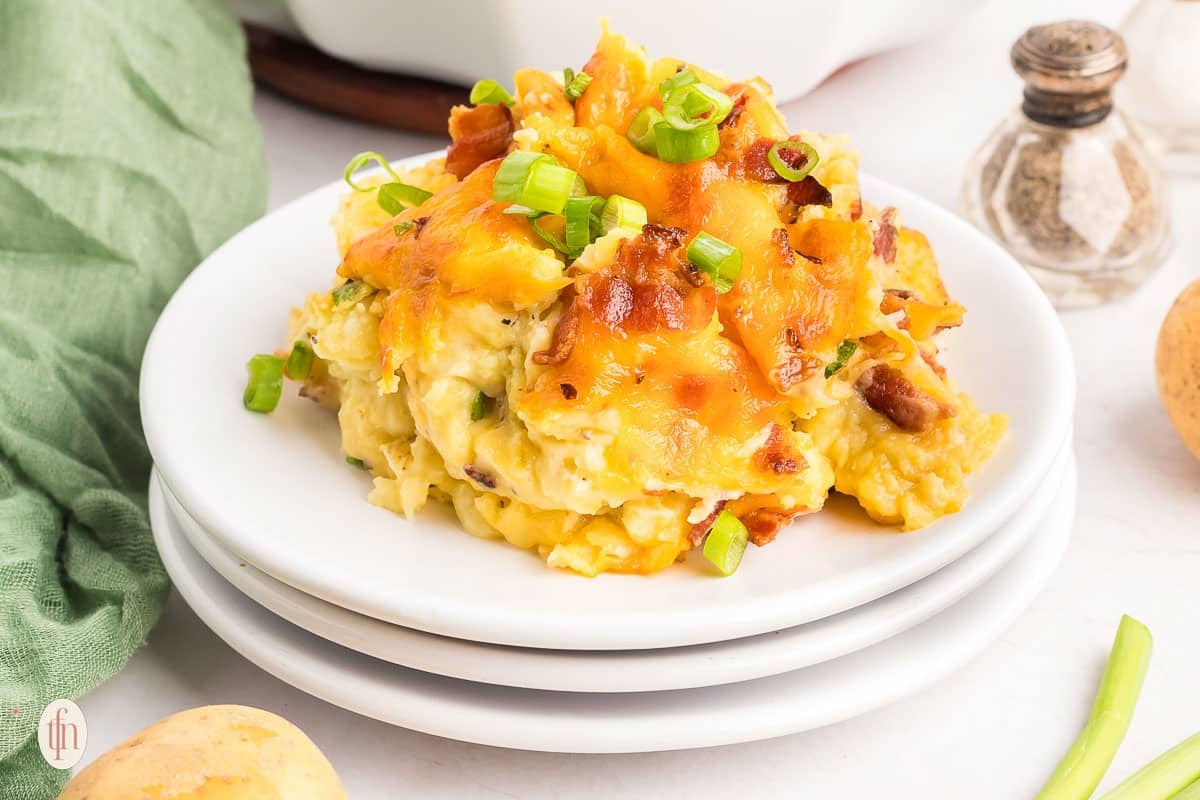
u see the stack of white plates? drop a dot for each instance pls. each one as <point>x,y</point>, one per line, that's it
<point>268,536</point>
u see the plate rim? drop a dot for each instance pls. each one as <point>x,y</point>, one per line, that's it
<point>628,671</point>
<point>507,717</point>
<point>666,627</point>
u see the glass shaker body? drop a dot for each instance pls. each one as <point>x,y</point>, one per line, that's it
<point>1079,207</point>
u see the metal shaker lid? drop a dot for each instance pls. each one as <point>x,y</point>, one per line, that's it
<point>1069,69</point>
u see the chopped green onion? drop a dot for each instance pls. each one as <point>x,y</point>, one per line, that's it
<point>358,162</point>
<point>1172,772</point>
<point>356,462</point>
<point>679,147</point>
<point>549,237</point>
<point>694,105</point>
<point>621,212</point>
<point>721,261</point>
<point>726,543</point>
<point>299,361</point>
<point>395,197</point>
<point>783,155</point>
<point>575,83</point>
<point>684,77</point>
<point>844,351</point>
<point>1081,769</point>
<point>265,384</point>
<point>403,226</point>
<point>351,292</point>
<point>513,172</point>
<point>489,91</point>
<point>641,130</point>
<point>583,221</point>
<point>477,405</point>
<point>536,181</point>
<point>548,187</point>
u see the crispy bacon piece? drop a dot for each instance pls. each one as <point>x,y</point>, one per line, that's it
<point>662,238</point>
<point>809,192</point>
<point>774,456</point>
<point>735,113</point>
<point>565,333</point>
<point>763,524</point>
<point>700,529</point>
<point>755,165</point>
<point>886,390</point>
<point>886,235</point>
<point>477,135</point>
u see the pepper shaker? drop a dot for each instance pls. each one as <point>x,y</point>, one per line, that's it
<point>1064,182</point>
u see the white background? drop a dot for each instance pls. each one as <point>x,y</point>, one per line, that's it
<point>995,729</point>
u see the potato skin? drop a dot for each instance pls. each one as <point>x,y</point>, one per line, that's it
<point>1177,363</point>
<point>211,753</point>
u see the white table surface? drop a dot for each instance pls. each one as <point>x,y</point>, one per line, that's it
<point>994,729</point>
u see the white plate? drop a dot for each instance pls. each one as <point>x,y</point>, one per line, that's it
<point>276,491</point>
<point>631,670</point>
<point>619,723</point>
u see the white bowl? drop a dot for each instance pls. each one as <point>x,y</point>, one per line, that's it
<point>794,44</point>
<point>276,490</point>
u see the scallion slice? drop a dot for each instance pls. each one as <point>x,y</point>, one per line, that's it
<point>621,212</point>
<point>641,130</point>
<point>489,91</point>
<point>299,361</point>
<point>265,384</point>
<point>694,105</point>
<point>679,147</point>
<point>792,161</point>
<point>513,173</point>
<point>360,161</point>
<point>575,83</point>
<point>583,221</point>
<point>684,77</point>
<point>351,292</point>
<point>844,351</point>
<point>477,406</point>
<point>356,462</point>
<point>402,227</point>
<point>548,187</point>
<point>536,181</point>
<point>726,543</point>
<point>395,197</point>
<point>721,261</point>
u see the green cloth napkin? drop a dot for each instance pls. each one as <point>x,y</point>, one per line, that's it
<point>127,153</point>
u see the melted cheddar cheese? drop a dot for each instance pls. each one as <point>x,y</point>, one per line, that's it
<point>625,401</point>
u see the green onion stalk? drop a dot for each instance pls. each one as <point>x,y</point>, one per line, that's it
<point>1175,772</point>
<point>1084,765</point>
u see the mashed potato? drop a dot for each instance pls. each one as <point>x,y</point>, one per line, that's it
<point>601,407</point>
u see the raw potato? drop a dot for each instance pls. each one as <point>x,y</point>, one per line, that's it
<point>1178,365</point>
<point>211,753</point>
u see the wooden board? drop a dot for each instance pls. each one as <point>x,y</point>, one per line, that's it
<point>305,74</point>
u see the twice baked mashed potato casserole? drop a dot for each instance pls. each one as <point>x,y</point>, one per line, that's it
<point>629,315</point>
